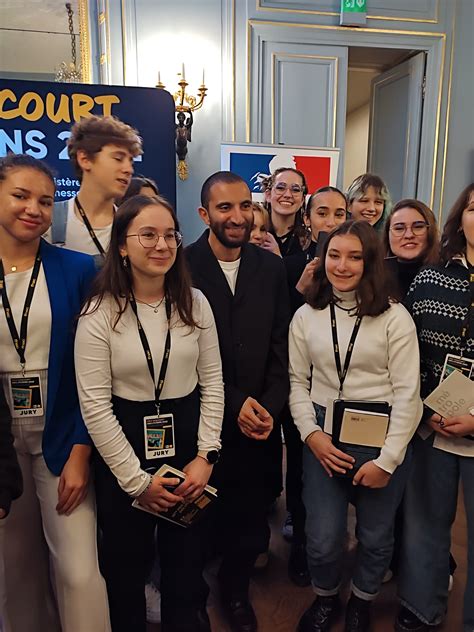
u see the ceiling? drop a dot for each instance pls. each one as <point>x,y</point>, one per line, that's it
<point>364,65</point>
<point>380,58</point>
<point>37,15</point>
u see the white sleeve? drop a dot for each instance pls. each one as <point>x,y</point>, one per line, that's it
<point>404,371</point>
<point>209,368</point>
<point>301,406</point>
<point>94,383</point>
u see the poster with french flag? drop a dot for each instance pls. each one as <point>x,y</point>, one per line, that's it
<point>254,162</point>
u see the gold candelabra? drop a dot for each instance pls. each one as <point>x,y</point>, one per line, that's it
<point>185,105</point>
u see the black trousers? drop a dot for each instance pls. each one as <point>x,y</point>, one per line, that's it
<point>242,534</point>
<point>127,547</point>
<point>247,480</point>
<point>294,475</point>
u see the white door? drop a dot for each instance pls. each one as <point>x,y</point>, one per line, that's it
<point>395,126</point>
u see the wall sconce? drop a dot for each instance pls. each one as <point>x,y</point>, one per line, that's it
<point>185,105</point>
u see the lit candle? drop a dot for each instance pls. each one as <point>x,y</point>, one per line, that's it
<point>182,72</point>
<point>202,76</point>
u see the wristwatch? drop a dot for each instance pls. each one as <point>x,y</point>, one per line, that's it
<point>211,456</point>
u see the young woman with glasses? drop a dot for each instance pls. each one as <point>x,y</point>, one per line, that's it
<point>147,356</point>
<point>411,240</point>
<point>285,192</point>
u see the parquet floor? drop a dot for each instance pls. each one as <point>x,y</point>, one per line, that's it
<point>279,604</point>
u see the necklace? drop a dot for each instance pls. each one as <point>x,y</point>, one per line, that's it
<point>354,309</point>
<point>155,308</point>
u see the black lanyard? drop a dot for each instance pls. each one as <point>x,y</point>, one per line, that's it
<point>342,371</point>
<point>87,223</point>
<point>467,325</point>
<point>20,340</point>
<point>147,350</point>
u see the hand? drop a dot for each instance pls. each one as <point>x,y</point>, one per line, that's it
<point>371,475</point>
<point>307,278</point>
<point>328,455</point>
<point>157,498</point>
<point>436,423</point>
<point>198,472</point>
<point>271,244</point>
<point>254,421</point>
<point>459,426</point>
<point>74,479</point>
<point>3,513</point>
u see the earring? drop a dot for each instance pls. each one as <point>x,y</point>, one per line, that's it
<point>125,262</point>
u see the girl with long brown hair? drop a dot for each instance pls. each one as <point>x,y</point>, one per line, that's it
<point>351,342</point>
<point>148,371</point>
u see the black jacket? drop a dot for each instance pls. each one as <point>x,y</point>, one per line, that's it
<point>253,338</point>
<point>11,484</point>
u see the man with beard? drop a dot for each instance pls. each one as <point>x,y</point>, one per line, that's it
<point>246,287</point>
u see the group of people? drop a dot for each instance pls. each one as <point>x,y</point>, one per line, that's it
<point>272,318</point>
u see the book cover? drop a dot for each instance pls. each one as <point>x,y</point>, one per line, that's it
<point>183,514</point>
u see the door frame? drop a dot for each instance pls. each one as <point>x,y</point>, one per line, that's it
<point>245,70</point>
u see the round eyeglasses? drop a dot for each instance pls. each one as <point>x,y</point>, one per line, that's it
<point>417,228</point>
<point>149,238</point>
<point>281,187</point>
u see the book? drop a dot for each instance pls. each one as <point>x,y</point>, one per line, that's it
<point>183,514</point>
<point>453,396</point>
<point>359,429</point>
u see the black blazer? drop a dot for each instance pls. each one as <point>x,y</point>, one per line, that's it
<point>10,473</point>
<point>253,333</point>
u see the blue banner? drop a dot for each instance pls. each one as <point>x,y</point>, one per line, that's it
<point>36,117</point>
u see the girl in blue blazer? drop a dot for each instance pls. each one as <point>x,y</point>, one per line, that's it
<point>51,576</point>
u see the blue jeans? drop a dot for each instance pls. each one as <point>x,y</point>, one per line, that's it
<point>429,511</point>
<point>326,500</point>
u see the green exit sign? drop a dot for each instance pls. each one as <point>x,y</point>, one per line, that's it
<point>354,6</point>
<point>353,12</point>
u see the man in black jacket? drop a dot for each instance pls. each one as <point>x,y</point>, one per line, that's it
<point>10,473</point>
<point>246,287</point>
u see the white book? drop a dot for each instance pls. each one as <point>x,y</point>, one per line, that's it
<point>453,397</point>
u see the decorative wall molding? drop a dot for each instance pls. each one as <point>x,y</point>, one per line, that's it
<point>423,11</point>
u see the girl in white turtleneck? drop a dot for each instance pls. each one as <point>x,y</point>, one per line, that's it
<point>384,366</point>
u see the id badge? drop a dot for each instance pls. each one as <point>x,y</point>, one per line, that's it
<point>159,436</point>
<point>26,396</point>
<point>456,363</point>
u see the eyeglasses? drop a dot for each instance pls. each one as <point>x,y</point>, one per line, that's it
<point>281,187</point>
<point>149,239</point>
<point>417,228</point>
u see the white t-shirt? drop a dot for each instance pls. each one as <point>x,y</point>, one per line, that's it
<point>39,323</point>
<point>78,237</point>
<point>112,362</point>
<point>231,270</point>
<point>38,332</point>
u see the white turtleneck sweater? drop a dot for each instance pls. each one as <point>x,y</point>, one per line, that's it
<point>385,366</point>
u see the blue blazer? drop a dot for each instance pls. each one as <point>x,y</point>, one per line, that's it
<point>68,277</point>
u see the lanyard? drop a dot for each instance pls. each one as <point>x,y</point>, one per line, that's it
<point>19,341</point>
<point>147,350</point>
<point>87,223</point>
<point>467,324</point>
<point>342,371</point>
